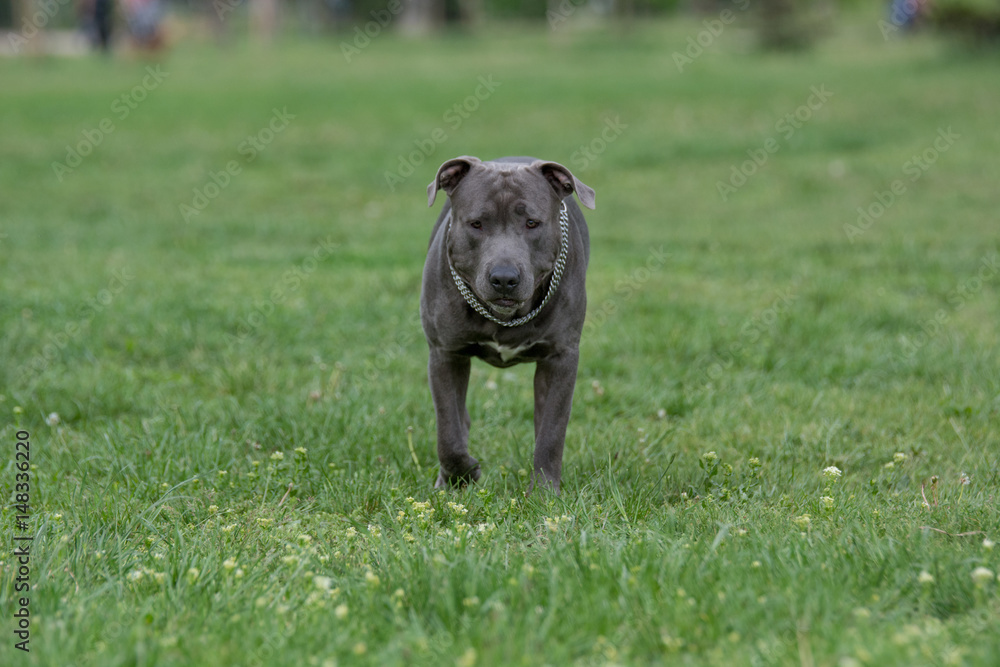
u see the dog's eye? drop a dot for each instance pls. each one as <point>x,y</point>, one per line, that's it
<point>475,224</point>
<point>531,224</point>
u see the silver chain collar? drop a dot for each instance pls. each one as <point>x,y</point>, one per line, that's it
<point>557,273</point>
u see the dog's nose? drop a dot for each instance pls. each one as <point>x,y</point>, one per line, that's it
<point>505,279</point>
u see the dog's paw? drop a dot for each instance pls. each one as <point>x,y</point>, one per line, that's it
<point>458,474</point>
<point>547,482</point>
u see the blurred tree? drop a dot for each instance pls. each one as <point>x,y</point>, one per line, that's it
<point>976,21</point>
<point>791,24</point>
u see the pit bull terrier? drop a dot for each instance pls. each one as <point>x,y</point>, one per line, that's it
<point>504,281</point>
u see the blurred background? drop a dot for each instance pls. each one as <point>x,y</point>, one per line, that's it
<point>73,26</point>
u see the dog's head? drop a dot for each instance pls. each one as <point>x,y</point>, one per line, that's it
<point>504,236</point>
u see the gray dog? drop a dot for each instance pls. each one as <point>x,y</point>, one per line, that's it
<point>505,281</point>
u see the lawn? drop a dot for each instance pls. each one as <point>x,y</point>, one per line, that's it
<point>787,420</point>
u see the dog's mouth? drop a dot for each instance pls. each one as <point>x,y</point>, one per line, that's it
<point>505,306</point>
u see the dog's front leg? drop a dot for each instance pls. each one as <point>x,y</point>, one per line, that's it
<point>449,380</point>
<point>555,379</point>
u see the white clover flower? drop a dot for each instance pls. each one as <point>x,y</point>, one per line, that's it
<point>52,419</point>
<point>981,575</point>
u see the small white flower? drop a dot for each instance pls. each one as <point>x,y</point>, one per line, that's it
<point>278,456</point>
<point>229,564</point>
<point>899,457</point>
<point>52,419</point>
<point>988,544</point>
<point>832,472</point>
<point>322,583</point>
<point>981,575</point>
<point>925,577</point>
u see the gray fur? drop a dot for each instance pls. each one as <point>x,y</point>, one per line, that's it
<point>507,264</point>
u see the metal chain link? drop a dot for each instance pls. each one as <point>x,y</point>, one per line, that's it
<point>557,273</point>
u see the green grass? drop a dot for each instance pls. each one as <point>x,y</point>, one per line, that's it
<point>214,405</point>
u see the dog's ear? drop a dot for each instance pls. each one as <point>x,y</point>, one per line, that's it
<point>449,175</point>
<point>565,183</point>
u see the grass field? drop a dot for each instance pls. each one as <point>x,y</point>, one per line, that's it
<point>210,333</point>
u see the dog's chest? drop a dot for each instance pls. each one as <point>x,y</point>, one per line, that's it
<point>507,352</point>
<point>504,355</point>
